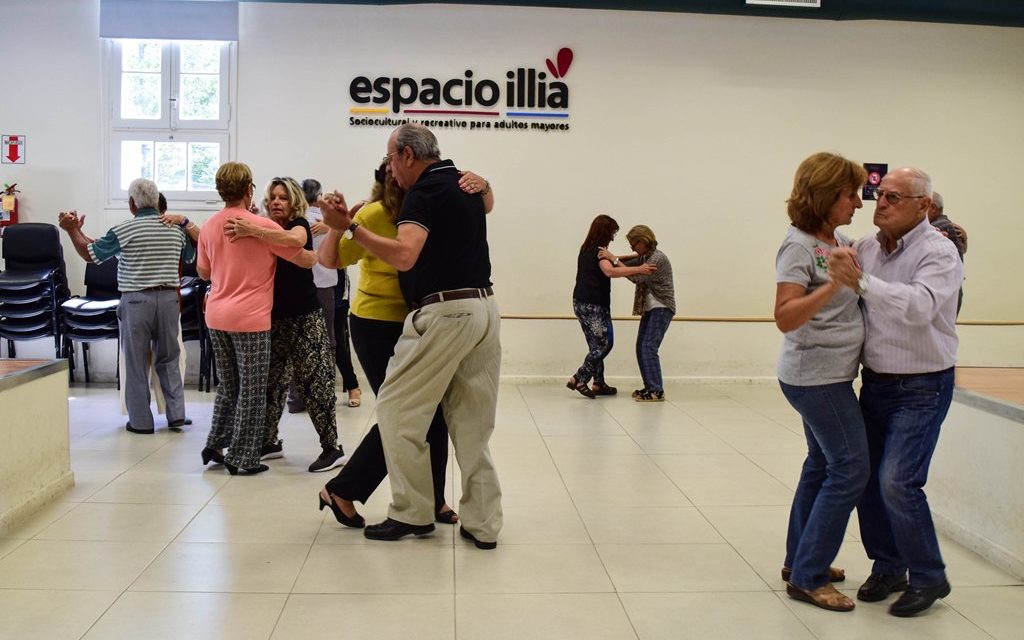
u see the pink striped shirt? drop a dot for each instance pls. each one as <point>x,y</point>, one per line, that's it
<point>241,272</point>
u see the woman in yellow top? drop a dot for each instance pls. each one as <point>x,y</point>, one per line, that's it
<point>376,318</point>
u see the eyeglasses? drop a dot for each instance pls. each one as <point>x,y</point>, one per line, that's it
<point>892,197</point>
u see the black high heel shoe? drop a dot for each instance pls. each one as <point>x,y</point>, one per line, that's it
<point>233,470</point>
<point>212,455</point>
<point>356,521</point>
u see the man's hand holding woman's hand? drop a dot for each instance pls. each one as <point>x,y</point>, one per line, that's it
<point>843,267</point>
<point>336,213</point>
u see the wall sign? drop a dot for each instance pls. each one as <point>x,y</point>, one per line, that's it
<point>526,99</point>
<point>876,171</point>
<point>13,149</point>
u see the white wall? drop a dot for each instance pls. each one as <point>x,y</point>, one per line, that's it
<point>692,124</point>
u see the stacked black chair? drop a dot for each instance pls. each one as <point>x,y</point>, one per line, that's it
<point>33,286</point>
<point>193,322</point>
<point>94,317</point>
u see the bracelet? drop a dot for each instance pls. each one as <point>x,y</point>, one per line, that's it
<point>184,223</point>
<point>487,188</point>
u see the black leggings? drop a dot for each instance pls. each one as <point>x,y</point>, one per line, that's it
<point>374,342</point>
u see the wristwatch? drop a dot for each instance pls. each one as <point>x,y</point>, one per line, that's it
<point>351,230</point>
<point>862,284</point>
<point>615,262</point>
<point>184,223</point>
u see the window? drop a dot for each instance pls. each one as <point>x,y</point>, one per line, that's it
<point>170,115</point>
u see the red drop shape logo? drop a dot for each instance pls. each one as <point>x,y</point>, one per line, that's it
<point>564,59</point>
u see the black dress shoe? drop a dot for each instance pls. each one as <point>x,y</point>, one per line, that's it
<point>916,599</point>
<point>395,530</point>
<point>878,587</point>
<point>480,544</point>
<point>176,425</point>
<point>251,471</point>
<point>129,427</point>
<point>212,455</point>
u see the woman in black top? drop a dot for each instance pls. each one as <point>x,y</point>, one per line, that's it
<point>299,342</point>
<point>591,302</point>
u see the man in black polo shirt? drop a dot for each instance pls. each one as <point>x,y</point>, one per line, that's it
<point>449,352</point>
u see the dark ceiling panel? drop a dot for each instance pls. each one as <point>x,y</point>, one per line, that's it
<point>1003,13</point>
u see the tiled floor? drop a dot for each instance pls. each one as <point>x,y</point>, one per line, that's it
<point>623,520</point>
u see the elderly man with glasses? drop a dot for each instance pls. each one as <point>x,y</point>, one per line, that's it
<point>450,349</point>
<point>908,276</point>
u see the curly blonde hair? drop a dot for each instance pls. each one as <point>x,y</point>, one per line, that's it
<point>296,197</point>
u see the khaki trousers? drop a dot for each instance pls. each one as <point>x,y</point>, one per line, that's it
<point>449,354</point>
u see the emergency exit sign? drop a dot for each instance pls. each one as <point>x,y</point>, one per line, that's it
<point>12,151</point>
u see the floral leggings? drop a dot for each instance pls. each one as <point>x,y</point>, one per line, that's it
<point>596,322</point>
<point>300,345</point>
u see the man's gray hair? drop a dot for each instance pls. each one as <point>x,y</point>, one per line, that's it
<point>145,193</point>
<point>922,181</point>
<point>419,139</point>
<point>937,201</point>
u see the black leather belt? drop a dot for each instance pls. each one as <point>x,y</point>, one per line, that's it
<point>868,373</point>
<point>163,287</point>
<point>454,294</point>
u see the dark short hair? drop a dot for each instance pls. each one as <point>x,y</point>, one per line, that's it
<point>161,204</point>
<point>311,188</point>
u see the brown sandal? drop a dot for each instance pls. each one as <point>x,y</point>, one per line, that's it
<point>834,574</point>
<point>827,597</point>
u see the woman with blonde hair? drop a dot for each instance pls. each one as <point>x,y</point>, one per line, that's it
<point>299,342</point>
<point>823,334</point>
<point>655,303</point>
<point>241,273</point>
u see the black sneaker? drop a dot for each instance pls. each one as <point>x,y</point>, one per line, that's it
<point>272,450</point>
<point>329,459</point>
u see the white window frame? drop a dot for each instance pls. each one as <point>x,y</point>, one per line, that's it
<point>169,127</point>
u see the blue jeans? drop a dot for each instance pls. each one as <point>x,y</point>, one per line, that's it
<point>596,322</point>
<point>833,478</point>
<point>653,325</point>
<point>903,415</point>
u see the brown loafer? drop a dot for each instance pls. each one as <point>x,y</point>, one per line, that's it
<point>827,597</point>
<point>834,574</point>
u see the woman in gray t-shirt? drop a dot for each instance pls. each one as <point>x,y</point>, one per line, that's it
<point>823,334</point>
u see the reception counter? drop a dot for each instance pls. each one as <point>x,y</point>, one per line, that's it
<point>35,460</point>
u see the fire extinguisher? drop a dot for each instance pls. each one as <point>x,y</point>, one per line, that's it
<point>9,205</point>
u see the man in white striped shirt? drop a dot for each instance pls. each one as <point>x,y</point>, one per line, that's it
<point>147,276</point>
<point>908,276</point>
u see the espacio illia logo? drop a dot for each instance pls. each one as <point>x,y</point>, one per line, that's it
<point>528,98</point>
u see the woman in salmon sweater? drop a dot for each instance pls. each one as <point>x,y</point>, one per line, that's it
<point>241,272</point>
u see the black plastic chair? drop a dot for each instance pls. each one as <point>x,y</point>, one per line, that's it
<point>93,318</point>
<point>33,286</point>
<point>193,322</point>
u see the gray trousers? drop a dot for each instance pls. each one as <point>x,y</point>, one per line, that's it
<point>151,318</point>
<point>449,354</point>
